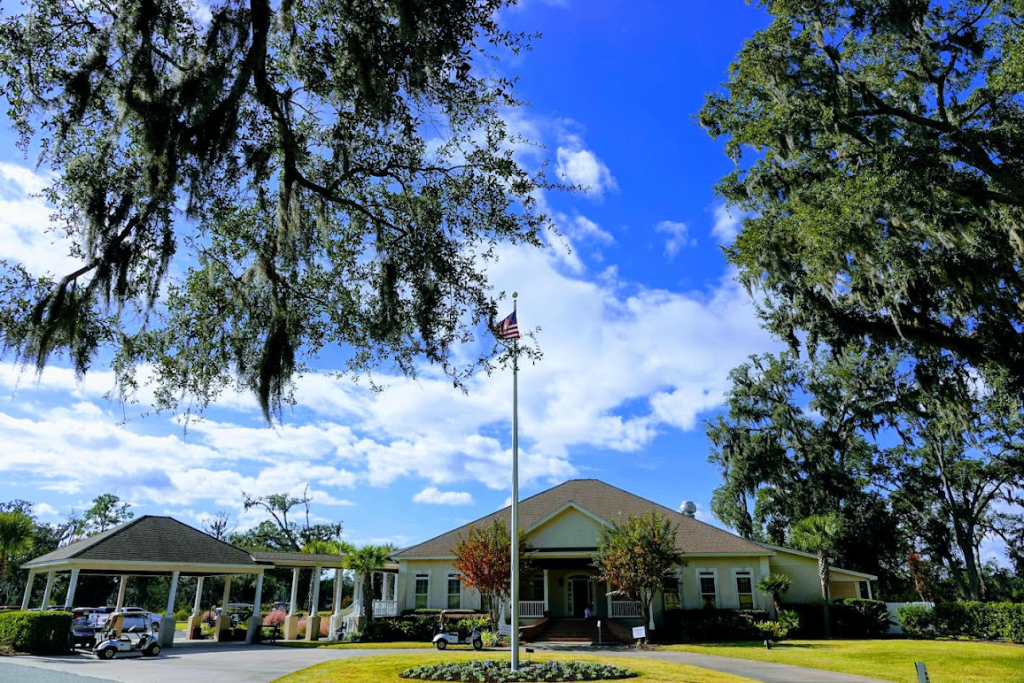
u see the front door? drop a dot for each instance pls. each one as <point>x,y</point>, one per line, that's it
<point>580,592</point>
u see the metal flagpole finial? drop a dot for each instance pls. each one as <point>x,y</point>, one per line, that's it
<point>515,295</point>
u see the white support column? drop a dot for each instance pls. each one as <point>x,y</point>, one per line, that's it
<point>172,594</point>
<point>870,597</point>
<point>72,585</point>
<point>227,594</point>
<point>293,605</point>
<point>28,589</point>
<point>120,591</point>
<point>608,588</point>
<point>357,593</point>
<point>49,588</point>
<point>198,604</point>
<point>255,621</point>
<point>545,590</point>
<point>167,624</point>
<point>338,591</point>
<point>316,590</point>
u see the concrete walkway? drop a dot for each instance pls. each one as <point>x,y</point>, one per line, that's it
<point>238,663</point>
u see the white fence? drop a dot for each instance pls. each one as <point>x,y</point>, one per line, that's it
<point>894,619</point>
<point>626,609</point>
<point>531,609</point>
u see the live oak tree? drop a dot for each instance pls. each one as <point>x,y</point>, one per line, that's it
<point>957,475</point>
<point>879,148</point>
<point>484,562</point>
<point>637,556</point>
<point>336,174</point>
<point>799,439</point>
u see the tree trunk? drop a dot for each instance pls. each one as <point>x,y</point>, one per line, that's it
<point>368,596</point>
<point>824,575</point>
<point>964,541</point>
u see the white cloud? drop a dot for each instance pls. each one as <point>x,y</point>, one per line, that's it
<point>24,223</point>
<point>580,166</point>
<point>727,224</point>
<point>432,496</point>
<point>678,237</point>
<point>582,228</point>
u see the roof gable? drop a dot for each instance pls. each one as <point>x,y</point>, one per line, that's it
<point>570,526</point>
<point>604,502</point>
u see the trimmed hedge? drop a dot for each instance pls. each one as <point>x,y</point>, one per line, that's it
<point>707,625</point>
<point>859,618</point>
<point>962,619</point>
<point>396,629</point>
<point>36,632</point>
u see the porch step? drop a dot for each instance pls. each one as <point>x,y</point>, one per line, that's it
<point>573,630</point>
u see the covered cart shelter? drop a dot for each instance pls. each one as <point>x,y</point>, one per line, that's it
<point>149,546</point>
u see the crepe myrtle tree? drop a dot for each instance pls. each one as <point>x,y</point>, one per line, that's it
<point>637,555</point>
<point>336,174</point>
<point>484,562</point>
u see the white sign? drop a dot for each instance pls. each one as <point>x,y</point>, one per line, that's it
<point>639,632</point>
<point>504,629</point>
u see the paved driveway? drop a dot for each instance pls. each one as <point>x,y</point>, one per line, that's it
<point>228,663</point>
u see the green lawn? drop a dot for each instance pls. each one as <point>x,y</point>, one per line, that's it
<point>385,668</point>
<point>949,661</point>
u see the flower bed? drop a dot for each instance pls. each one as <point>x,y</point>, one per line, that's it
<point>492,671</point>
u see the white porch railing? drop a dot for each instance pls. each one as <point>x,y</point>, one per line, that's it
<point>385,608</point>
<point>531,609</point>
<point>625,609</point>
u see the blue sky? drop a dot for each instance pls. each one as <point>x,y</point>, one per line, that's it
<point>641,323</point>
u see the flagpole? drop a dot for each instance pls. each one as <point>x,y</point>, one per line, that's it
<point>515,494</point>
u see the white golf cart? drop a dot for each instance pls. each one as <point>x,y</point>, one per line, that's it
<point>136,640</point>
<point>444,638</point>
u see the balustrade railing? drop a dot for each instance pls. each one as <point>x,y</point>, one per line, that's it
<point>531,609</point>
<point>385,608</point>
<point>625,609</point>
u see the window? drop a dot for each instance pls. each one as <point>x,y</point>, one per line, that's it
<point>538,586</point>
<point>708,588</point>
<point>744,588</point>
<point>671,593</point>
<point>454,591</point>
<point>422,591</point>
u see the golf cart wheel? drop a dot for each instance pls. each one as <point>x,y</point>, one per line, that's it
<point>152,651</point>
<point>108,653</point>
<point>478,644</point>
<point>441,644</point>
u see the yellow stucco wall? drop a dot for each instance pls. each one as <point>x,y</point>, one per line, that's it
<point>806,585</point>
<point>728,597</point>
<point>569,529</point>
<point>438,571</point>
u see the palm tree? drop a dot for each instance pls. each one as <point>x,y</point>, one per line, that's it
<point>818,534</point>
<point>319,546</point>
<point>17,530</point>
<point>364,562</point>
<point>775,585</point>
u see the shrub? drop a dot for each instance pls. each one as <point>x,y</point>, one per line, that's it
<point>790,619</point>
<point>771,630</point>
<point>275,618</point>
<point>492,639</point>
<point>916,621</point>
<point>499,672</point>
<point>690,626</point>
<point>182,615</point>
<point>412,628</point>
<point>465,626</point>
<point>1010,621</point>
<point>857,618</point>
<point>38,632</point>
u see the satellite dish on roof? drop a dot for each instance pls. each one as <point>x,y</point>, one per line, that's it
<point>688,508</point>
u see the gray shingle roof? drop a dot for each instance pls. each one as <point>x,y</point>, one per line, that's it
<point>150,539</point>
<point>606,502</point>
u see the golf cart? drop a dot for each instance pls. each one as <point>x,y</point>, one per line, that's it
<point>443,638</point>
<point>137,639</point>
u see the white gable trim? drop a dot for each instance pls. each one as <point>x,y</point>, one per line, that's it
<point>562,509</point>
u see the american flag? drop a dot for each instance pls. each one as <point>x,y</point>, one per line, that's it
<point>508,328</point>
